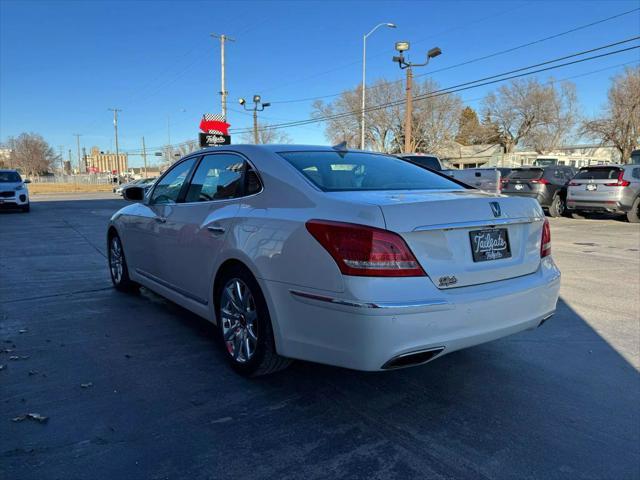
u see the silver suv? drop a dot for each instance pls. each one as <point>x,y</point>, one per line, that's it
<point>606,188</point>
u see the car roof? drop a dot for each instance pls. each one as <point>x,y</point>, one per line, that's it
<point>7,170</point>
<point>280,147</point>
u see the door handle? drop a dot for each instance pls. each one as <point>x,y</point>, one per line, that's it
<point>160,219</point>
<point>216,230</point>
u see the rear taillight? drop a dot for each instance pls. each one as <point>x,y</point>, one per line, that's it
<point>542,181</point>
<point>545,246</point>
<point>620,182</point>
<point>365,251</point>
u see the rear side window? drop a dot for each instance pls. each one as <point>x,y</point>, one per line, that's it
<point>218,177</point>
<point>339,171</point>
<point>526,174</point>
<point>600,173</point>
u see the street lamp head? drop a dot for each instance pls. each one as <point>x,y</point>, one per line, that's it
<point>242,101</point>
<point>397,59</point>
<point>268,104</point>
<point>402,46</point>
<point>434,52</point>
<point>392,25</point>
<point>256,99</point>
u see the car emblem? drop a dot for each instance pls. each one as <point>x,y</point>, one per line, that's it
<point>495,208</point>
<point>447,281</point>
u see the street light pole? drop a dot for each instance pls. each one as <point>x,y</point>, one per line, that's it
<point>403,64</point>
<point>258,106</point>
<point>115,127</point>
<point>364,80</point>
<point>78,135</point>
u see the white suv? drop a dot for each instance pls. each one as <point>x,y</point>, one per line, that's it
<point>13,191</point>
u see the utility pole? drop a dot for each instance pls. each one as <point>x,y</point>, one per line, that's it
<point>115,127</point>
<point>61,150</point>
<point>69,159</point>
<point>84,160</point>
<point>223,92</point>
<point>78,135</point>
<point>144,157</point>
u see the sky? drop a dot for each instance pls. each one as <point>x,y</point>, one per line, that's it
<point>63,64</point>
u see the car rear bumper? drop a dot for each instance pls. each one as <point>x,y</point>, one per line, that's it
<point>340,330</point>
<point>541,197</point>
<point>614,206</point>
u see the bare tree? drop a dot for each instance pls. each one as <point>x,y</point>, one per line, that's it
<point>527,112</point>
<point>172,153</point>
<point>434,117</point>
<point>620,122</point>
<point>30,153</point>
<point>266,135</point>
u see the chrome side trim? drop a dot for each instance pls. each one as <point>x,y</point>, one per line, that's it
<point>367,305</point>
<point>180,291</point>
<point>479,223</point>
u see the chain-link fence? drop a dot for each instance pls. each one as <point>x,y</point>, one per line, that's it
<point>84,179</point>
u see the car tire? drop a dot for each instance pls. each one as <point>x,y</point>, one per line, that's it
<point>26,208</point>
<point>118,268</point>
<point>244,324</point>
<point>557,207</point>
<point>633,215</point>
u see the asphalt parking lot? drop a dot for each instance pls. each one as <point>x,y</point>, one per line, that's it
<point>135,387</point>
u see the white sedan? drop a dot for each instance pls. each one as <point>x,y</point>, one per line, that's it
<point>342,257</point>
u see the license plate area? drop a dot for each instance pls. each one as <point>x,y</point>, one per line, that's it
<point>489,244</point>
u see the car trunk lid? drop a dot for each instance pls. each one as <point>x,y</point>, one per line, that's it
<point>445,228</point>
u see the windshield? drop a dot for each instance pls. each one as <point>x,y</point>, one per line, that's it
<point>10,177</point>
<point>526,174</point>
<point>337,171</point>
<point>606,173</point>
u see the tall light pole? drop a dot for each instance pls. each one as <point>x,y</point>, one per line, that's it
<point>223,92</point>
<point>115,127</point>
<point>364,80</point>
<point>258,106</point>
<point>78,135</point>
<point>403,64</point>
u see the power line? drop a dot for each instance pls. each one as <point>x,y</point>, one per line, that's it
<point>477,59</point>
<point>479,98</point>
<point>466,85</point>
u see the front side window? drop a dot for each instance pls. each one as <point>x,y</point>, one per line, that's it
<point>218,177</point>
<point>168,189</point>
<point>339,171</point>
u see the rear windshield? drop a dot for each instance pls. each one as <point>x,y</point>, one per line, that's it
<point>9,177</point>
<point>337,171</point>
<point>606,173</point>
<point>526,174</point>
<point>424,161</point>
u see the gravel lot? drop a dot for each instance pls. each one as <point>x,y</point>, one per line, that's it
<point>562,401</point>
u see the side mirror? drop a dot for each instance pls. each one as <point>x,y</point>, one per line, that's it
<point>26,180</point>
<point>133,194</point>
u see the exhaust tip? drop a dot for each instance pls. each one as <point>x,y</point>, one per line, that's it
<point>412,359</point>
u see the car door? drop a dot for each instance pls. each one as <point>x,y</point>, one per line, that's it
<point>196,228</point>
<point>148,227</point>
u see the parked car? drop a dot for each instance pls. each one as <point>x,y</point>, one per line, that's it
<point>141,182</point>
<point>482,178</point>
<point>13,190</point>
<point>428,161</point>
<point>606,188</point>
<point>487,179</point>
<point>347,258</point>
<point>548,185</point>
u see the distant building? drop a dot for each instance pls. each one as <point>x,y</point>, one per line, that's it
<point>139,172</point>
<point>106,162</point>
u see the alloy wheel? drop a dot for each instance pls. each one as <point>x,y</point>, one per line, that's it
<point>239,320</point>
<point>116,261</point>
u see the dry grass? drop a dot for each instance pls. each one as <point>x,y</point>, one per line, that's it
<point>36,188</point>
